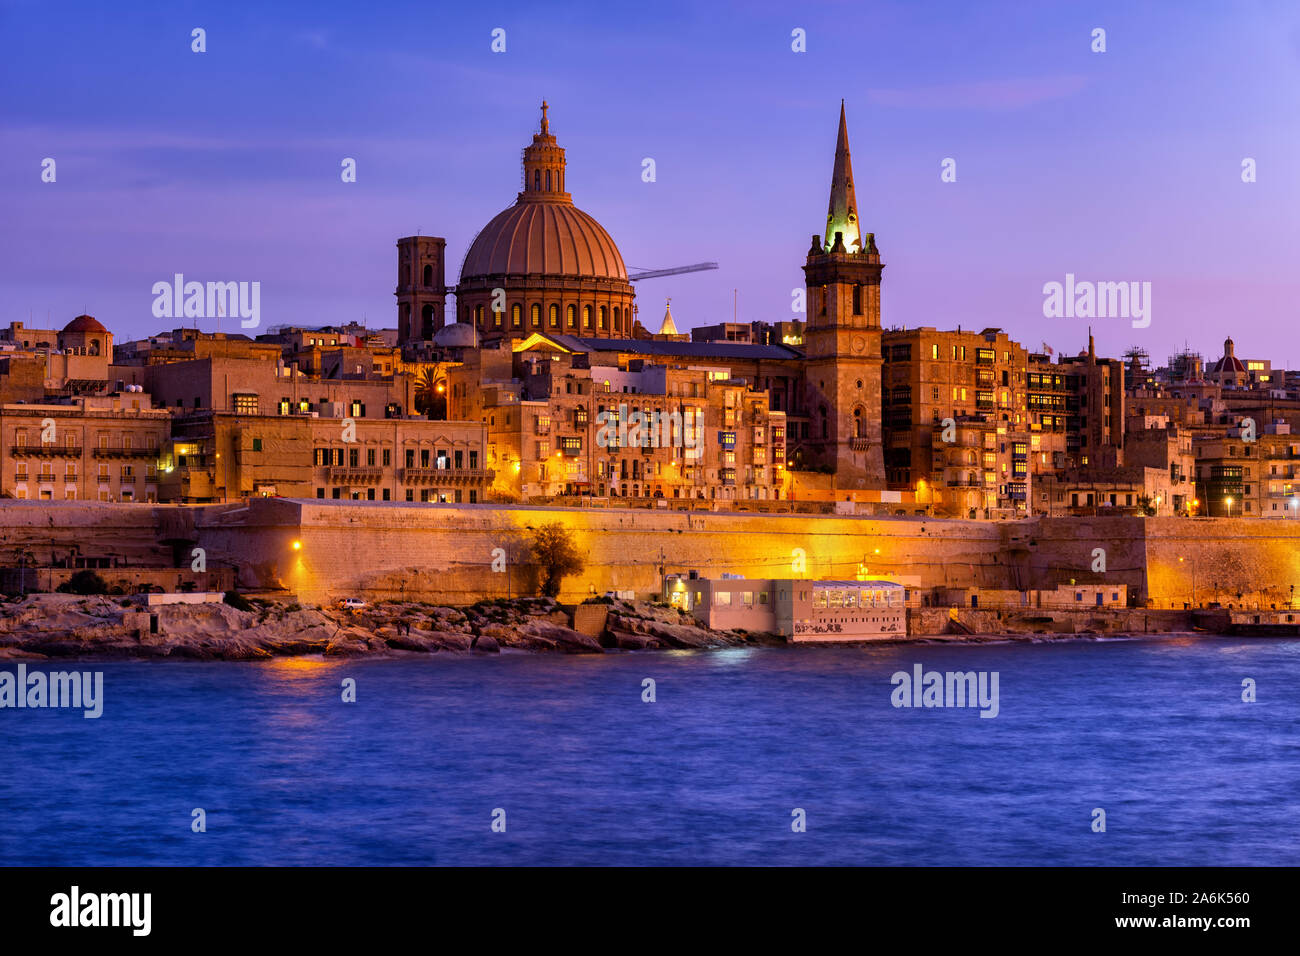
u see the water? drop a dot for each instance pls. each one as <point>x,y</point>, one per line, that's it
<point>1152,731</point>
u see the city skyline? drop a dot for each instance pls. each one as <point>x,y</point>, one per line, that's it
<point>231,171</point>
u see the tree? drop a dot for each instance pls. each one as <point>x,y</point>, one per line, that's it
<point>84,581</point>
<point>431,392</point>
<point>557,555</point>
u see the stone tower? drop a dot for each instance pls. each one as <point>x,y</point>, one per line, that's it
<point>421,288</point>
<point>842,338</point>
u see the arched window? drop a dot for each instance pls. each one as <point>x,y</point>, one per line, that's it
<point>426,321</point>
<point>478,316</point>
<point>586,316</point>
<point>573,316</point>
<point>428,275</point>
<point>857,299</point>
<point>555,316</point>
<point>826,428</point>
<point>618,319</point>
<point>548,180</point>
<point>496,319</point>
<point>604,318</point>
<point>859,426</point>
<point>537,316</point>
<point>537,180</point>
<point>516,316</point>
<point>822,296</point>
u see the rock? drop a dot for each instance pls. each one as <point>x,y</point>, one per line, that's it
<point>484,644</point>
<point>562,638</point>
<point>627,641</point>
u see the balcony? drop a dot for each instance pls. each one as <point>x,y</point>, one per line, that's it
<point>140,453</point>
<point>365,475</point>
<point>859,444</point>
<point>128,479</point>
<point>446,476</point>
<point>46,451</point>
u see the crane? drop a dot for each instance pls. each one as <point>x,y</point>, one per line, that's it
<point>656,273</point>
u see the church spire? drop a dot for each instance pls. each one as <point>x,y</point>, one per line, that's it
<point>842,216</point>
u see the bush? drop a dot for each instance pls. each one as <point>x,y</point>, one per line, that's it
<point>85,581</point>
<point>557,556</point>
<point>237,601</point>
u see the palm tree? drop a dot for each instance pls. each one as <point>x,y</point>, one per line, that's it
<point>431,392</point>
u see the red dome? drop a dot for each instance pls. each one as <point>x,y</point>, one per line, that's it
<point>84,323</point>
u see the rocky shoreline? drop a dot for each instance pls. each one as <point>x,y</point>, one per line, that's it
<point>43,626</point>
<point>49,626</point>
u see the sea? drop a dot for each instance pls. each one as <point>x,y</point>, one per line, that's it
<point>1174,751</point>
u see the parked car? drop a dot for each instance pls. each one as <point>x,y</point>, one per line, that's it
<point>352,604</point>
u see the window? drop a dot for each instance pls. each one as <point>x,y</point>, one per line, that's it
<point>244,404</point>
<point>555,312</point>
<point>516,316</point>
<point>257,444</point>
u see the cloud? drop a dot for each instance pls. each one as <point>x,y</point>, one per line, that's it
<point>984,94</point>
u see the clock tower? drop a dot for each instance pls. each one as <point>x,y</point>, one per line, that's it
<point>842,338</point>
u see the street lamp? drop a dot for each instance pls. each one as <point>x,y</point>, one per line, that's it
<point>1228,502</point>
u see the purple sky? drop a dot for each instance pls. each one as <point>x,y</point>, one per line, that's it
<point>1123,165</point>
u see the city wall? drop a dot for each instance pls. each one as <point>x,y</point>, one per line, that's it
<point>322,550</point>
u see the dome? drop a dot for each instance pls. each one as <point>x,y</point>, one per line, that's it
<point>86,324</point>
<point>456,335</point>
<point>544,238</point>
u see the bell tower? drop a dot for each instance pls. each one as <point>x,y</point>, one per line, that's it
<point>842,337</point>
<point>421,288</point>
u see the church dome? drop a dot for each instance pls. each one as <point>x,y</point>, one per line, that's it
<point>544,238</point>
<point>85,324</point>
<point>543,233</point>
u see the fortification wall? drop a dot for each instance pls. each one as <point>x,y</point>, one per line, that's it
<point>444,553</point>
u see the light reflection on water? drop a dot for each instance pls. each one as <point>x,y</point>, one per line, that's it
<point>1154,731</point>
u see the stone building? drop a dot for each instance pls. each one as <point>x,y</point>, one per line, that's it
<point>222,456</point>
<point>100,448</point>
<point>561,424</point>
<point>930,376</point>
<point>1240,477</point>
<point>982,472</point>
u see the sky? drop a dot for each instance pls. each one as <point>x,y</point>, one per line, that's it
<point>1122,165</point>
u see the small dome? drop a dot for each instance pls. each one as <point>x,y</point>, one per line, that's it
<point>457,335</point>
<point>84,323</point>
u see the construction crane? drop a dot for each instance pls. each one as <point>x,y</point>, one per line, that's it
<point>656,273</point>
